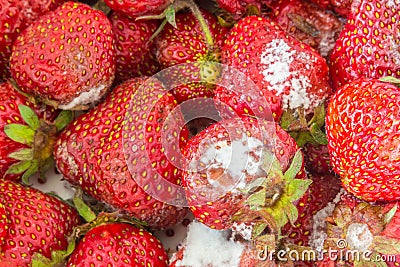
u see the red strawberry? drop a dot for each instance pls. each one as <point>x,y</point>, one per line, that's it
<point>227,164</point>
<point>135,52</point>
<point>317,159</point>
<point>363,138</point>
<point>308,23</point>
<point>187,43</point>
<point>27,134</point>
<point>138,8</point>
<point>15,16</point>
<point>341,7</point>
<point>368,44</point>
<point>118,244</point>
<point>127,127</point>
<point>289,74</point>
<point>35,223</point>
<point>66,58</point>
<point>361,227</point>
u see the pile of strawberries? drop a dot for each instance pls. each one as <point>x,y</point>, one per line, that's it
<point>274,122</point>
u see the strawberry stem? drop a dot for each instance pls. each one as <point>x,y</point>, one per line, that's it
<point>203,24</point>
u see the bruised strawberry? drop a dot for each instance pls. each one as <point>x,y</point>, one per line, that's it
<point>317,159</point>
<point>36,223</point>
<point>239,163</point>
<point>135,9</point>
<point>15,16</point>
<point>368,45</point>
<point>66,58</point>
<point>363,138</point>
<point>116,150</point>
<point>309,23</point>
<point>27,134</point>
<point>118,244</point>
<point>135,52</point>
<point>341,7</point>
<point>290,75</point>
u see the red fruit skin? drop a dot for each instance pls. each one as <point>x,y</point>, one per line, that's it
<point>67,56</point>
<point>317,159</point>
<point>36,222</point>
<point>186,44</point>
<point>368,44</point>
<point>341,7</point>
<point>135,54</point>
<point>319,28</point>
<point>9,113</point>
<point>135,9</point>
<point>363,138</point>
<point>262,50</point>
<point>118,244</point>
<point>90,153</point>
<point>216,213</point>
<point>15,16</point>
<point>239,8</point>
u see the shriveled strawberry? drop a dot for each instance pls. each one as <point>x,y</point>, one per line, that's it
<point>363,138</point>
<point>27,134</point>
<point>135,52</point>
<point>118,244</point>
<point>188,43</point>
<point>361,227</point>
<point>317,159</point>
<point>135,9</point>
<point>341,7</point>
<point>290,75</point>
<point>116,151</point>
<point>313,207</point>
<point>368,44</point>
<point>309,23</point>
<point>15,16</point>
<point>237,8</point>
<point>35,223</point>
<point>228,170</point>
<point>66,58</point>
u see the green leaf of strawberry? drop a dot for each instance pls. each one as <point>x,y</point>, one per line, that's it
<point>29,116</point>
<point>20,133</point>
<point>22,154</point>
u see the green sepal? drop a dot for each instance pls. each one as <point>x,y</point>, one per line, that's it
<point>257,199</point>
<point>20,133</point>
<point>291,213</point>
<point>29,116</point>
<point>83,209</point>
<point>390,214</point>
<point>170,15</point>
<point>391,79</point>
<point>33,168</point>
<point>23,154</point>
<point>295,166</point>
<point>19,167</point>
<point>297,188</point>
<point>386,245</point>
<point>319,116</point>
<point>63,119</point>
<point>318,135</point>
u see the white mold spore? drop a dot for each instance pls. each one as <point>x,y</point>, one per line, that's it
<point>84,98</point>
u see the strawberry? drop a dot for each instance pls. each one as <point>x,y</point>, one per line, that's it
<point>309,23</point>
<point>368,44</point>
<point>118,244</point>
<point>66,58</point>
<point>290,75</point>
<point>135,55</point>
<point>33,223</point>
<point>313,207</point>
<point>317,159</point>
<point>15,16</point>
<point>238,163</point>
<point>341,7</point>
<point>28,132</point>
<point>113,150</point>
<point>361,227</point>
<point>187,42</point>
<point>363,132</point>
<point>135,9</point>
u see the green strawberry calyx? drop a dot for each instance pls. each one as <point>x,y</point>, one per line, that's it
<point>390,79</point>
<point>277,193</point>
<point>303,130</point>
<point>39,136</point>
